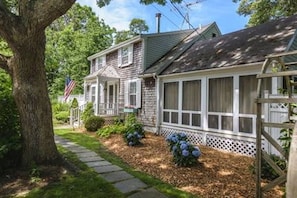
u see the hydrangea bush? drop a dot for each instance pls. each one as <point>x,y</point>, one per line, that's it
<point>184,153</point>
<point>133,138</point>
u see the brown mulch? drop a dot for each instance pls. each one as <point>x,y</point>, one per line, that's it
<point>218,173</point>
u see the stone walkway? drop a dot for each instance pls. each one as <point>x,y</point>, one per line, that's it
<point>123,181</point>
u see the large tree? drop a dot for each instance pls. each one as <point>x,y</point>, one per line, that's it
<point>265,10</point>
<point>22,26</point>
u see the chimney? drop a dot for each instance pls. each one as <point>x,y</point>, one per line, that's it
<point>158,17</point>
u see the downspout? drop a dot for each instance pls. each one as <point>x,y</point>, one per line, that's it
<point>158,109</point>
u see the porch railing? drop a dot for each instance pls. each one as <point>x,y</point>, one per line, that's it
<point>108,109</point>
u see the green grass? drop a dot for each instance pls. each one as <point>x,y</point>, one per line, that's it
<point>92,144</point>
<point>85,183</point>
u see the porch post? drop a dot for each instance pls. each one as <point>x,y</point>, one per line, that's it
<point>158,90</point>
<point>97,97</point>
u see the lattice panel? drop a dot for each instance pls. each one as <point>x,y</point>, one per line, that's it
<point>238,146</point>
<point>108,121</point>
<point>193,137</point>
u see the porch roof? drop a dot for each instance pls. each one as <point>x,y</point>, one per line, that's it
<point>107,71</point>
<point>242,47</point>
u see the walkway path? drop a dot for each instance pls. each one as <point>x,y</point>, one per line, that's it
<point>123,181</point>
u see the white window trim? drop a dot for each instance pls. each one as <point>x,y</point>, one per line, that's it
<point>96,66</point>
<point>138,93</point>
<point>130,56</point>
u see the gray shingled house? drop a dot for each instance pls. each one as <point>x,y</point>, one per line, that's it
<point>207,87</point>
<point>116,85</point>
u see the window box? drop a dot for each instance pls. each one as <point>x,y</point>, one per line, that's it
<point>130,110</point>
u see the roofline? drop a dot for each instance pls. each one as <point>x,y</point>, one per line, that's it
<point>210,70</point>
<point>115,47</point>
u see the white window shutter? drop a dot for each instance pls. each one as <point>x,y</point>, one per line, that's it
<point>138,93</point>
<point>130,54</point>
<point>126,93</point>
<point>119,57</point>
<point>103,61</point>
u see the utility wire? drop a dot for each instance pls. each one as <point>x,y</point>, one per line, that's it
<point>165,16</point>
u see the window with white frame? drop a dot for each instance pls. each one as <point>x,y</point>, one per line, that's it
<point>133,93</point>
<point>98,63</point>
<point>220,105</point>
<point>191,103</point>
<point>125,56</point>
<point>170,109</point>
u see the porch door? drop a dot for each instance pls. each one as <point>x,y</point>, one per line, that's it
<point>112,97</point>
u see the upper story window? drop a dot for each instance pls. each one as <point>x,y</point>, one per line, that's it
<point>125,56</point>
<point>98,63</point>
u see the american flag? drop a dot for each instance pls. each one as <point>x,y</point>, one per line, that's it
<point>69,86</point>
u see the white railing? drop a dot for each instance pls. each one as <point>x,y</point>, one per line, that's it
<point>108,109</point>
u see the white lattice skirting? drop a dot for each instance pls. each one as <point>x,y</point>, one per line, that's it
<point>228,144</point>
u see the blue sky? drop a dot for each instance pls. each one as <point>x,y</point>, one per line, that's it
<point>119,13</point>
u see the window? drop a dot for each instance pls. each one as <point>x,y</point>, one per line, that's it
<point>133,93</point>
<point>170,112</point>
<point>125,56</point>
<point>191,103</point>
<point>98,63</point>
<point>220,104</point>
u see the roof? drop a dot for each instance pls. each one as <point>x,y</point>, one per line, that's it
<point>242,47</point>
<point>176,51</point>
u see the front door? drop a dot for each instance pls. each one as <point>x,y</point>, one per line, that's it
<point>112,97</point>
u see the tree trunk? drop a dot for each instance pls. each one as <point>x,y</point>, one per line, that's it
<point>291,189</point>
<point>31,96</point>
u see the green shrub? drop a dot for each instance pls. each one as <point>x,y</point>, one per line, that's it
<point>10,137</point>
<point>58,107</point>
<point>62,116</point>
<point>88,112</point>
<point>133,125</point>
<point>106,131</point>
<point>267,172</point>
<point>132,138</point>
<point>74,103</point>
<point>94,123</point>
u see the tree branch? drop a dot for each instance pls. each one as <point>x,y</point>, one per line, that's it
<point>46,11</point>
<point>4,63</point>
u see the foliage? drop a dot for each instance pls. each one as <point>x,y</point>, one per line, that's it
<point>137,26</point>
<point>286,139</point>
<point>132,138</point>
<point>74,103</point>
<point>184,153</point>
<point>10,137</point>
<point>265,10</point>
<point>102,3</point>
<point>106,131</point>
<point>88,112</point>
<point>94,123</point>
<point>267,172</point>
<point>132,124</point>
<point>62,116</point>
<point>70,39</point>
<point>122,36</point>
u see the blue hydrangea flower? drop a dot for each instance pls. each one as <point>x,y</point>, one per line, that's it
<point>131,143</point>
<point>182,142</point>
<point>196,153</point>
<point>174,148</point>
<point>183,135</point>
<point>185,153</point>
<point>129,135</point>
<point>183,146</point>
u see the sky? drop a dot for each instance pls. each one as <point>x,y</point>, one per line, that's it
<point>119,14</point>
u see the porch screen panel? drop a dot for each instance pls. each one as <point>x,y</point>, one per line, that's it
<point>191,95</point>
<point>247,95</point>
<point>171,95</point>
<point>221,95</point>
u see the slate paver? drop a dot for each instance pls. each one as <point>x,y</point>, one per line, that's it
<point>88,154</point>
<point>116,176</point>
<point>148,193</point>
<point>90,159</point>
<point>76,149</point>
<point>107,169</point>
<point>98,163</point>
<point>130,185</point>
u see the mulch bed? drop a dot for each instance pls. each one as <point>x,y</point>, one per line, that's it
<point>218,173</point>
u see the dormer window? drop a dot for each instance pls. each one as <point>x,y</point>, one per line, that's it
<point>125,56</point>
<point>98,63</point>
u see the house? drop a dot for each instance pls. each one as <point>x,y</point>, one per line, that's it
<point>115,85</point>
<point>207,89</point>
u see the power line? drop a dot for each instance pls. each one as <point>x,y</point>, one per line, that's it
<point>165,16</point>
<point>184,17</point>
